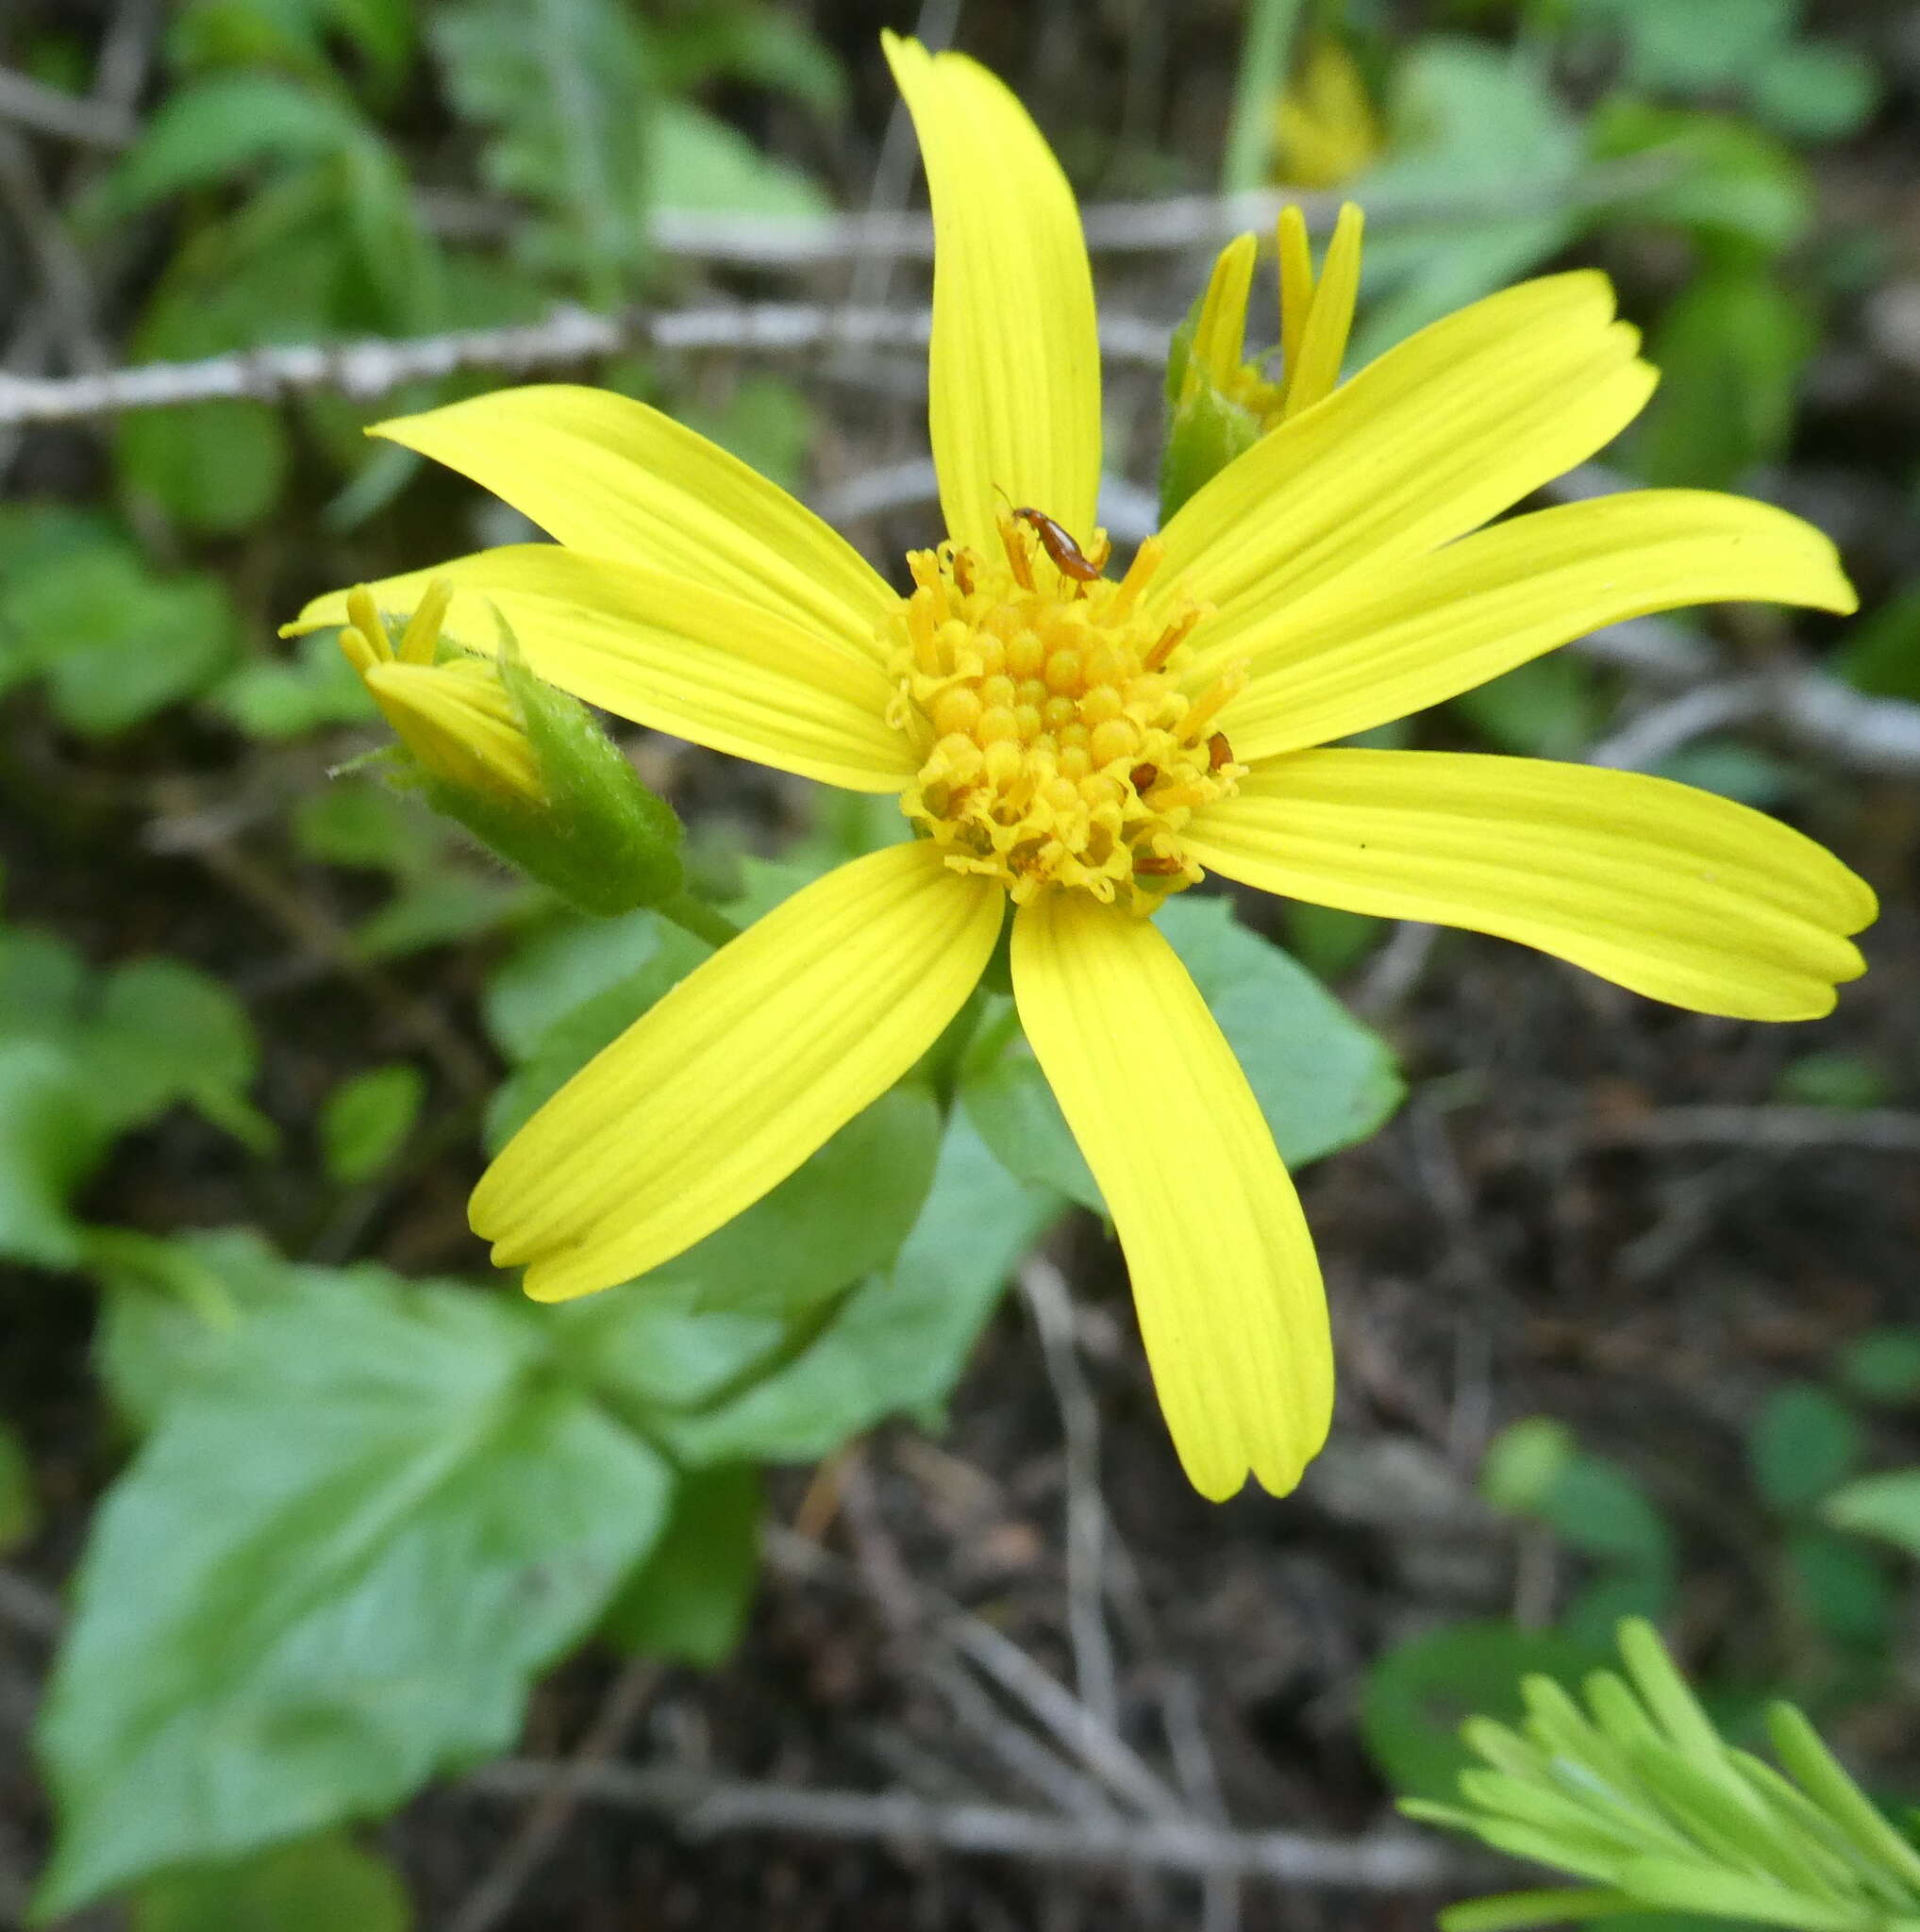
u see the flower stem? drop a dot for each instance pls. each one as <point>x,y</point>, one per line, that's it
<point>695,916</point>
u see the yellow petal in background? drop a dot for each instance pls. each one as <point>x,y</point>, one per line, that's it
<point>607,474</point>
<point>1358,654</point>
<point>739,1074</point>
<point>1015,371</point>
<point>1223,1274</point>
<point>669,652</point>
<point>1455,425</point>
<point>1674,893</point>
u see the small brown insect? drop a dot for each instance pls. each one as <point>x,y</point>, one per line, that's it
<point>1157,865</point>
<point>1218,752</point>
<point>1066,554</point>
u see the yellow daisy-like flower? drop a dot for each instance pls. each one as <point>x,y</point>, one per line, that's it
<point>1078,746</point>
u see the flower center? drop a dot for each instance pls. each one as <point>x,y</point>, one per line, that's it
<point>1060,745</point>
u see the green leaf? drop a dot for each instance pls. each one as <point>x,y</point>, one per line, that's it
<point>665,955</point>
<point>685,1335</point>
<point>1692,46</point>
<point>767,423</point>
<point>1467,123</point>
<point>841,1214</point>
<point>19,1506</point>
<point>1881,653</point>
<point>215,467</point>
<point>167,1032</point>
<point>1553,707</point>
<point>325,1884</point>
<point>1885,1506</point>
<point>363,825</point>
<point>1013,1109</point>
<point>1847,1080</point>
<point>1883,1365</point>
<point>1594,1504</point>
<point>1418,1694</point>
<point>701,166</point>
<point>332,1570</point>
<point>1322,1081</point>
<point>1804,1442</point>
<point>898,1342</point>
<point>1524,1462</point>
<point>115,641</point>
<point>1328,939</point>
<point>564,89</point>
<point>206,132</point>
<point>688,1600</point>
<point>1730,348</point>
<point>761,45</point>
<point>51,1139</point>
<point>366,1118</point>
<point>438,910</point>
<point>1815,90</point>
<point>1721,179</point>
<point>286,698</point>
<point>560,964</point>
<point>1843,1590</point>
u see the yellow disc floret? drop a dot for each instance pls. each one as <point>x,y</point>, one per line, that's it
<point>1060,746</point>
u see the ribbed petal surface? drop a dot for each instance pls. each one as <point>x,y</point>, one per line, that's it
<point>669,652</point>
<point>604,473</point>
<point>1014,370</point>
<point>1223,1274</point>
<point>1455,425</point>
<point>738,1075</point>
<point>1357,654</point>
<point>1677,894</point>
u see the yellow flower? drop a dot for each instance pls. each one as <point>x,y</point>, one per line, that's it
<point>1079,749</point>
<point>456,717</point>
<point>1326,130</point>
<point>1317,315</point>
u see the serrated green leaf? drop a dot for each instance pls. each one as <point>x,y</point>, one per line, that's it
<point>332,1570</point>
<point>1804,1442</point>
<point>325,1884</point>
<point>688,1600</point>
<point>898,1342</point>
<point>367,1117</point>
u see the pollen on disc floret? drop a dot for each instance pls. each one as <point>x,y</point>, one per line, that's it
<point>1060,745</point>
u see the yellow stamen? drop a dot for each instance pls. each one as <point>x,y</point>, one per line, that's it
<point>1062,748</point>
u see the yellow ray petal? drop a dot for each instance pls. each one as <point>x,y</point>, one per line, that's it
<point>1674,893</point>
<point>745,1068</point>
<point>1223,1274</point>
<point>1321,346</point>
<point>672,653</point>
<point>1015,371</point>
<point>1457,424</point>
<point>607,474</point>
<point>1355,654</point>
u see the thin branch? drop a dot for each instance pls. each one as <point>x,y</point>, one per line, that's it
<point>553,1808</point>
<point>96,123</point>
<point>1779,1129</point>
<point>1044,1291</point>
<point>1382,1861</point>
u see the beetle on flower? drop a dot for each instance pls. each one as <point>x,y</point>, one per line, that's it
<point>1071,752</point>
